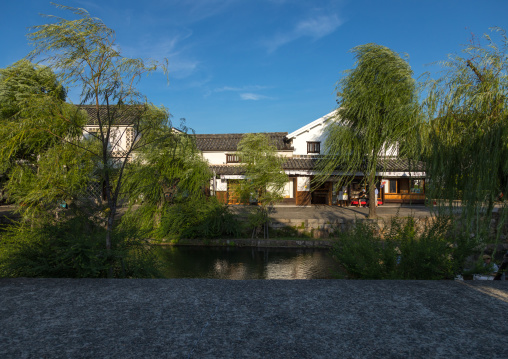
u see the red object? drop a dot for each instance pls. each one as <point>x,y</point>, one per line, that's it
<point>354,202</point>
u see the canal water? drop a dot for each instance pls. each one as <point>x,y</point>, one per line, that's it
<point>247,263</point>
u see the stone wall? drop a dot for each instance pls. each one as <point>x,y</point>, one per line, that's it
<point>318,228</point>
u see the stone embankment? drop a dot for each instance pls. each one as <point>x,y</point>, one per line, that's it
<point>273,243</point>
<point>312,227</point>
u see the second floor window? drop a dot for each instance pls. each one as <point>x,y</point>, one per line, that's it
<point>232,158</point>
<point>313,147</point>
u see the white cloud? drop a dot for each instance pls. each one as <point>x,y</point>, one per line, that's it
<point>318,27</point>
<point>253,96</point>
<point>245,92</point>
<point>181,68</point>
<point>315,28</point>
<point>240,89</point>
<point>180,65</point>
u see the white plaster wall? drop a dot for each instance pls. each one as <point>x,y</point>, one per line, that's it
<point>215,158</point>
<point>118,137</point>
<point>303,184</point>
<point>219,157</point>
<point>285,153</point>
<point>288,190</point>
<point>314,134</point>
<point>222,185</point>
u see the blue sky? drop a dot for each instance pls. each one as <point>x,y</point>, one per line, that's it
<point>261,65</point>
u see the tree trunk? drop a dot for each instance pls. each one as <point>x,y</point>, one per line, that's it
<point>111,200</point>
<point>109,227</point>
<point>372,197</point>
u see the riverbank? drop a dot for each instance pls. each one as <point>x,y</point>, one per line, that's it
<point>199,318</point>
<point>243,242</point>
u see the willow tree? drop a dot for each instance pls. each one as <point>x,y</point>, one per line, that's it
<point>166,178</point>
<point>84,54</point>
<point>377,113</point>
<point>467,153</point>
<point>21,85</point>
<point>264,177</point>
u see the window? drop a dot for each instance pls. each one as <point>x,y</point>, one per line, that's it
<point>232,158</point>
<point>417,186</point>
<point>393,186</point>
<point>313,147</point>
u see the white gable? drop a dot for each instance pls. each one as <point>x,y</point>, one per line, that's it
<point>313,132</point>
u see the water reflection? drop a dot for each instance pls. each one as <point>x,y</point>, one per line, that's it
<point>247,263</point>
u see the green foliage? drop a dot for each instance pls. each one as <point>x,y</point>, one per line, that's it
<point>405,251</point>
<point>20,81</point>
<point>288,232</point>
<point>378,112</point>
<point>364,254</point>
<point>166,171</point>
<point>59,176</point>
<point>467,132</point>
<point>165,184</point>
<point>83,53</point>
<point>264,176</point>
<point>198,219</point>
<point>31,101</point>
<point>72,248</point>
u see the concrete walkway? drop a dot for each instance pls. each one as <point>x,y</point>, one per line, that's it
<point>331,212</point>
<point>186,318</point>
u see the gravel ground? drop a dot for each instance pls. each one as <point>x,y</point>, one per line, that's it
<point>200,318</point>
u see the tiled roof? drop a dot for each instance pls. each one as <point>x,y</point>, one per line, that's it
<point>229,141</point>
<point>125,115</point>
<point>227,169</point>
<point>309,164</point>
<point>386,165</point>
<point>400,165</point>
<point>293,163</point>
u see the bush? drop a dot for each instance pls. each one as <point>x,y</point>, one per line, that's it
<point>72,248</point>
<point>404,252</point>
<point>364,254</point>
<point>198,219</point>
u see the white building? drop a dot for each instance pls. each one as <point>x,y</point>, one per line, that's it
<point>302,149</point>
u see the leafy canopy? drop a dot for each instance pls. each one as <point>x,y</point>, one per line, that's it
<point>86,55</point>
<point>467,135</point>
<point>55,158</point>
<point>377,113</point>
<point>467,108</point>
<point>264,176</point>
<point>31,99</point>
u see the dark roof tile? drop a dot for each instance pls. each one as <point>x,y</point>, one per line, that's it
<point>123,115</point>
<point>310,164</point>
<point>229,141</point>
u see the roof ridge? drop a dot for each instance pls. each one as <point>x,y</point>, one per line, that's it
<point>240,134</point>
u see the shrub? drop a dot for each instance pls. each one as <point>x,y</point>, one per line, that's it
<point>198,219</point>
<point>363,253</point>
<point>72,248</point>
<point>435,251</point>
